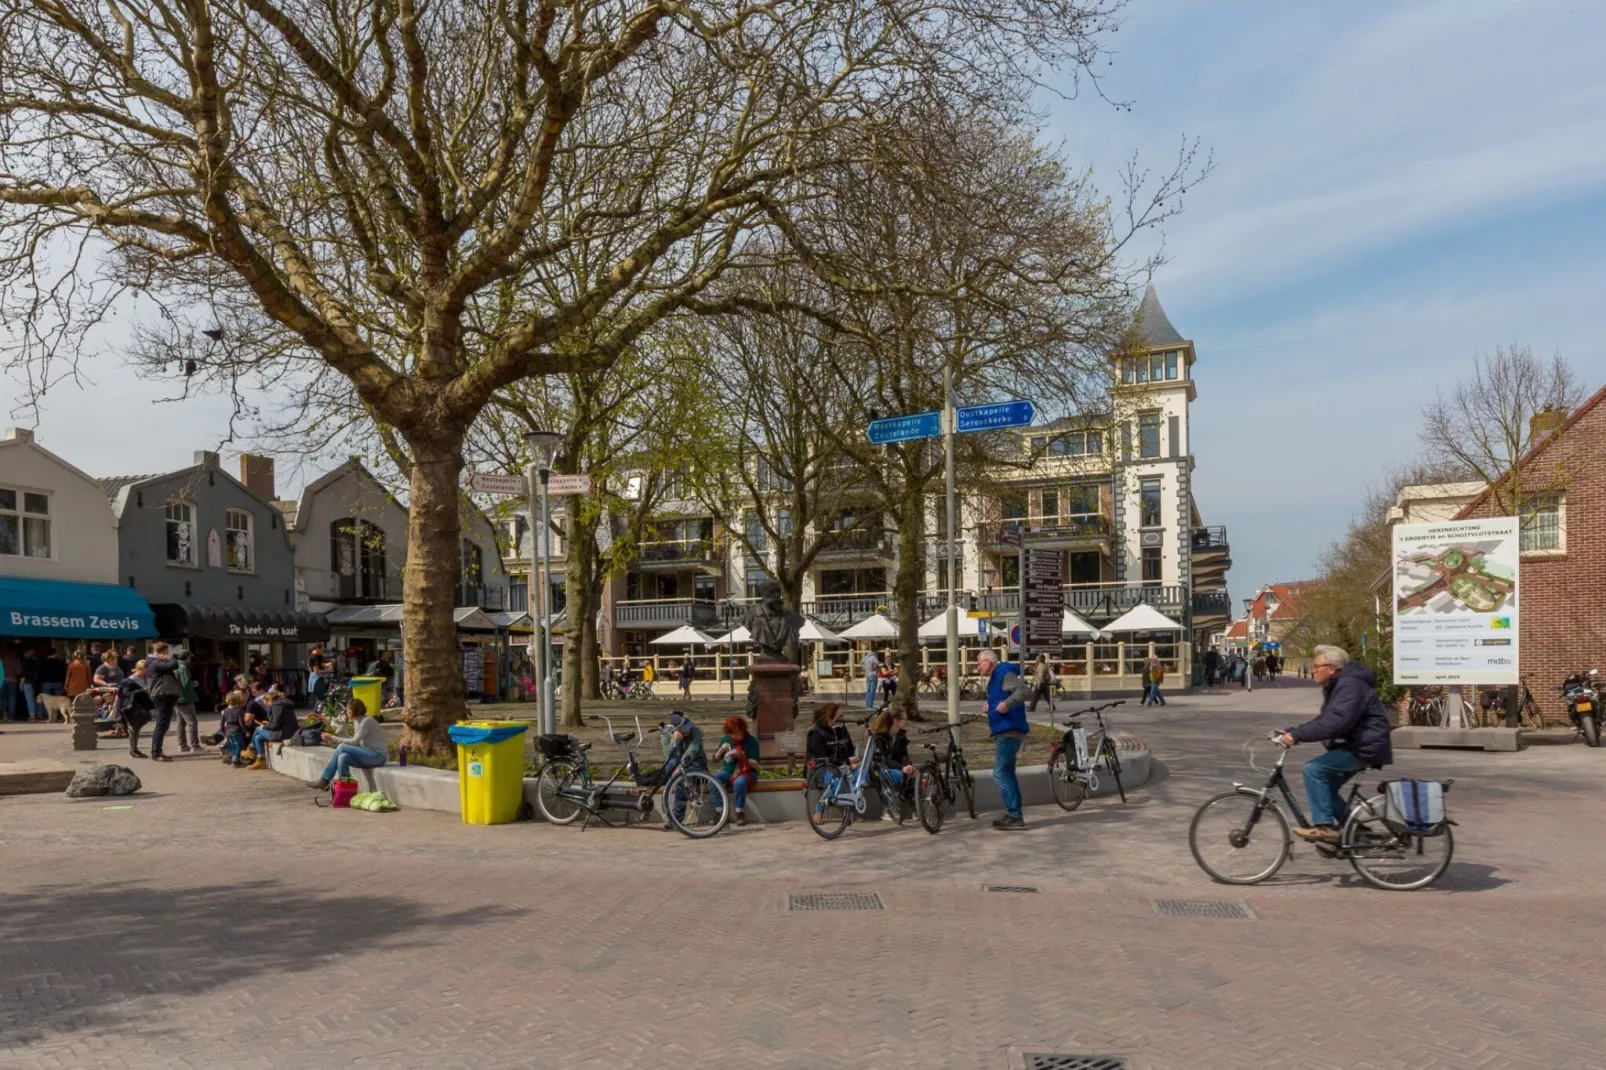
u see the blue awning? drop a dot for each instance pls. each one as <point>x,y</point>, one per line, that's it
<point>55,608</point>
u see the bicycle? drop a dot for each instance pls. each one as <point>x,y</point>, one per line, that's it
<point>833,794</point>
<point>565,788</point>
<point>1426,708</point>
<point>1527,708</point>
<point>972,688</point>
<point>1223,836</point>
<point>1073,765</point>
<point>942,778</point>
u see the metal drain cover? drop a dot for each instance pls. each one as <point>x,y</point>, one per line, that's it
<point>1053,1060</point>
<point>835,901</point>
<point>1010,888</point>
<point>1202,908</point>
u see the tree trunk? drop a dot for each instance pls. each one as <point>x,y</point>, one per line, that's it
<point>906,596</point>
<point>433,669</point>
<point>590,677</point>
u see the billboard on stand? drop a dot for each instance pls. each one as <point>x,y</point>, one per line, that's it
<point>1455,602</point>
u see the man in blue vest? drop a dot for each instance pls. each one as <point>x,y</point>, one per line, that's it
<point>1007,691</point>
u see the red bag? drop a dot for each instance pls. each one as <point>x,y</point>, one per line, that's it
<point>342,791</point>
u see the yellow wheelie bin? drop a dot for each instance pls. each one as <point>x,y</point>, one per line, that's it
<point>490,770</point>
<point>371,691</point>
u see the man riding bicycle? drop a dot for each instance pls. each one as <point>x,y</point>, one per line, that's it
<point>1355,729</point>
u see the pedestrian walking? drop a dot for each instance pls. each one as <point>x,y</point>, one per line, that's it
<point>80,675</point>
<point>1154,676</point>
<point>1212,664</point>
<point>871,667</point>
<point>1042,683</point>
<point>1007,691</point>
<point>686,674</point>
<point>189,732</point>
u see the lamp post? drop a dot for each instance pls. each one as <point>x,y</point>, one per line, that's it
<point>543,448</point>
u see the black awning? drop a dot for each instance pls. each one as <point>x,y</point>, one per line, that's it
<point>226,622</point>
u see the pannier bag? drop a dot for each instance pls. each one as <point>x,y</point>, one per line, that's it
<point>1417,804</point>
<point>555,745</point>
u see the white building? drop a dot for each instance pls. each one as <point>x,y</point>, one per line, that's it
<point>55,524</point>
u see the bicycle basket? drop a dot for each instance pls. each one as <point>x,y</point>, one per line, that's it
<point>1416,804</point>
<point>555,746</point>
<point>651,778</point>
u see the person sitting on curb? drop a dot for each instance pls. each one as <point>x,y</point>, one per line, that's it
<point>739,749</point>
<point>829,742</point>
<point>683,747</point>
<point>365,748</point>
<point>1007,691</point>
<point>280,725</point>
<point>892,748</point>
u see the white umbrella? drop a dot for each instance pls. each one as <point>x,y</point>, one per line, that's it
<point>1143,618</point>
<point>739,635</point>
<point>815,632</point>
<point>937,627</point>
<point>685,635</point>
<point>1075,625</point>
<point>872,627</point>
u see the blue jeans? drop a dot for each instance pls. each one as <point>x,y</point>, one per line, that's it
<point>347,755</point>
<point>871,686</point>
<point>260,740</point>
<point>234,743</point>
<point>1324,776</point>
<point>739,787</point>
<point>1152,696</point>
<point>1005,751</point>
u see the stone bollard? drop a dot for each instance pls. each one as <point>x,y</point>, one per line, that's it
<point>84,734</point>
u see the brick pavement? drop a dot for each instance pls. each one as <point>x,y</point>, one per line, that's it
<point>226,922</point>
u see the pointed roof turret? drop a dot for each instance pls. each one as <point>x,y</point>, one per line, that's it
<point>1154,327</point>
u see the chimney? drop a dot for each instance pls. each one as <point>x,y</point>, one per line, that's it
<point>1541,424</point>
<point>18,434</point>
<point>205,457</point>
<point>257,475</point>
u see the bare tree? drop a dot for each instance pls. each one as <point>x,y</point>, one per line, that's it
<point>1484,428</point>
<point>384,190</point>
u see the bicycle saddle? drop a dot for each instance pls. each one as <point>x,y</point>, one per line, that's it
<point>623,737</point>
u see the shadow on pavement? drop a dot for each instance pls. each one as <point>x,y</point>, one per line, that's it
<point>106,959</point>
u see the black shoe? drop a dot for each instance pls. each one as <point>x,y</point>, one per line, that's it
<point>741,818</point>
<point>1010,822</point>
<point>322,785</point>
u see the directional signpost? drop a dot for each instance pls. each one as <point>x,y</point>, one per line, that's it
<point>496,483</point>
<point>905,428</point>
<point>1042,603</point>
<point>575,484</point>
<point>996,417</point>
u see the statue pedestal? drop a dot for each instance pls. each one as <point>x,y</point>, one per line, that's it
<point>774,685</point>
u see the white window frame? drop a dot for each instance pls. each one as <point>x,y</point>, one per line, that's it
<point>250,540</point>
<point>24,515</point>
<point>1524,525</point>
<point>195,548</point>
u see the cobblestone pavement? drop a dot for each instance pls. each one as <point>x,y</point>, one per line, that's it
<point>224,921</point>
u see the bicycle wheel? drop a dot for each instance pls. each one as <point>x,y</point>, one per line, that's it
<point>708,805</point>
<point>891,797</point>
<point>1390,858</point>
<point>819,799</point>
<point>554,779</point>
<point>1113,764</point>
<point>1531,713</point>
<point>930,799</point>
<point>1435,713</point>
<point>966,786</point>
<point>1230,854</point>
<point>1069,790</point>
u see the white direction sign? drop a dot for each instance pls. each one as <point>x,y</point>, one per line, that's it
<point>575,484</point>
<point>496,483</point>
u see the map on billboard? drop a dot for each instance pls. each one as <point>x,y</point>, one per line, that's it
<point>1455,602</point>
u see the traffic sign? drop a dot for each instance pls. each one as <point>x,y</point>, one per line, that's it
<point>982,628</point>
<point>904,428</point>
<point>496,483</point>
<point>575,484</point>
<point>997,415</point>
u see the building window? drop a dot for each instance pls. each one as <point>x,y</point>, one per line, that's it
<point>1051,505</point>
<point>357,558</point>
<point>755,576</point>
<point>24,523</point>
<point>237,540</point>
<point>1149,435</point>
<point>851,581</point>
<point>1171,364</point>
<point>1082,499</point>
<point>1149,503</point>
<point>783,523</point>
<point>1151,567</point>
<point>1009,571</point>
<point>755,533</point>
<point>1039,443</point>
<point>180,533</point>
<point>1126,372</point>
<point>1157,368</point>
<point>1095,443</point>
<point>1541,525</point>
<point>1141,367</point>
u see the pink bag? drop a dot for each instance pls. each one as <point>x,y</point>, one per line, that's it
<point>343,790</point>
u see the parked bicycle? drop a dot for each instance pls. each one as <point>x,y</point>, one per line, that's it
<point>942,779</point>
<point>1399,839</point>
<point>833,794</point>
<point>1426,708</point>
<point>697,803</point>
<point>1074,762</point>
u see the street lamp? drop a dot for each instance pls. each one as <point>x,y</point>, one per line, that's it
<point>543,448</point>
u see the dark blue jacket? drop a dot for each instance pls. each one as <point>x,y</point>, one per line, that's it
<point>1000,690</point>
<point>1352,718</point>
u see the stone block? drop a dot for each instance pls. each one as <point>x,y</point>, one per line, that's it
<point>33,777</point>
<point>103,780</point>
<point>1487,739</point>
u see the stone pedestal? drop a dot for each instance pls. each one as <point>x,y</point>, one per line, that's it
<point>774,686</point>
<point>84,730</point>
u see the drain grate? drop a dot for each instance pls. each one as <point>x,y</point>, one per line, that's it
<point>1202,908</point>
<point>1010,888</point>
<point>1053,1060</point>
<point>835,901</point>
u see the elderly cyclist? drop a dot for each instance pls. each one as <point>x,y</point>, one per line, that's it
<point>1355,730</point>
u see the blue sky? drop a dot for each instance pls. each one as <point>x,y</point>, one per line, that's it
<point>1398,187</point>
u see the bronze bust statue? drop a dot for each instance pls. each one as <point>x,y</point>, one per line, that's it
<point>771,627</point>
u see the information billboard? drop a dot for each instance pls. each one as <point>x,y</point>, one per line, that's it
<point>1455,602</point>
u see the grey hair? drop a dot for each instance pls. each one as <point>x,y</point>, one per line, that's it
<point>1336,656</point>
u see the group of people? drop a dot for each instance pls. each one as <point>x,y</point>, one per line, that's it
<point>30,673</point>
<point>880,679</point>
<point>1234,669</point>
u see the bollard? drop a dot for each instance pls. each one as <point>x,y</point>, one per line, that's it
<point>84,734</point>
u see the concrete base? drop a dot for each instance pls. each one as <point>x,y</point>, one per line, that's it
<point>34,776</point>
<point>436,789</point>
<point>1489,739</point>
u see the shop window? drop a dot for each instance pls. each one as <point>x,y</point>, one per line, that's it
<point>180,533</point>
<point>1149,501</point>
<point>237,540</point>
<point>24,523</point>
<point>1151,567</point>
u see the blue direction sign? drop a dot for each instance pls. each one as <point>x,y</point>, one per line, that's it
<point>992,417</point>
<point>905,428</point>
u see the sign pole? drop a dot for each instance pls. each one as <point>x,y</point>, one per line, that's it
<point>953,579</point>
<point>534,650</point>
<point>549,713</point>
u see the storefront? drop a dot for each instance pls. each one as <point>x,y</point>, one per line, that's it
<point>225,641</point>
<point>62,615</point>
<point>359,633</point>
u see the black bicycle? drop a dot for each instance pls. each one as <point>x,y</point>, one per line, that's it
<point>1242,837</point>
<point>1074,762</point>
<point>942,778</point>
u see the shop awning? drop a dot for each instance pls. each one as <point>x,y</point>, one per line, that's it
<point>73,610</point>
<point>175,621</point>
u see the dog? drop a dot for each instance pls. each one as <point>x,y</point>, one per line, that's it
<point>55,704</point>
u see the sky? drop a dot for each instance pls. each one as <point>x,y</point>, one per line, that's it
<point>1397,187</point>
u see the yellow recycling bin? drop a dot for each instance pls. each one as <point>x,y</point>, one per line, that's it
<point>371,691</point>
<point>490,770</point>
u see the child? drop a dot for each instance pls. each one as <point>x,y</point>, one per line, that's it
<point>232,725</point>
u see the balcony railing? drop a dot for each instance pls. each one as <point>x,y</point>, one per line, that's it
<point>1096,601</point>
<point>665,613</point>
<point>1087,526</point>
<point>671,553</point>
<point>1212,604</point>
<point>1210,539</point>
<point>867,541</point>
